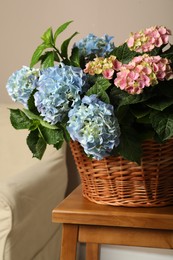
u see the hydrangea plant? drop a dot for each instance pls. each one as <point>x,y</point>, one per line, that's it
<point>108,98</point>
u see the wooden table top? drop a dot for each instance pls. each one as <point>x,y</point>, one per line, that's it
<point>75,209</point>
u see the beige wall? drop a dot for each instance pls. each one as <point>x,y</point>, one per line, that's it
<point>23,22</point>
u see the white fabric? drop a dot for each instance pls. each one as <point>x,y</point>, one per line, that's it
<point>29,190</point>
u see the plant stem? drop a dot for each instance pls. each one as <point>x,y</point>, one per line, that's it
<point>59,53</point>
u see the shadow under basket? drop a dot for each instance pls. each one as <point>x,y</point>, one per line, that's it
<point>119,182</point>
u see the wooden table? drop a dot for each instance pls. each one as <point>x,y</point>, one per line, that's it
<point>93,224</point>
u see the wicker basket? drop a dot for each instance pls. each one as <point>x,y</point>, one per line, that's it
<point>119,182</point>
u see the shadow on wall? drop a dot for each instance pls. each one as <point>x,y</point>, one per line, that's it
<point>73,176</point>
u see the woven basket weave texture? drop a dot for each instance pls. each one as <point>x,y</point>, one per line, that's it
<point>119,182</point>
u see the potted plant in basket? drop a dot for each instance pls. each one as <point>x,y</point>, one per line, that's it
<point>110,99</point>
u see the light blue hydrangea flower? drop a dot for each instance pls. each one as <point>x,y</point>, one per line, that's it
<point>94,125</point>
<point>21,84</point>
<point>59,88</point>
<point>92,44</point>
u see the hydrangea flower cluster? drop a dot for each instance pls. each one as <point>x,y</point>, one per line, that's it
<point>99,95</point>
<point>92,44</point>
<point>59,89</point>
<point>21,84</point>
<point>146,40</point>
<point>94,125</point>
<point>143,71</point>
<point>104,66</point>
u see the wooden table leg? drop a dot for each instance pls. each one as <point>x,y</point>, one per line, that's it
<point>92,251</point>
<point>69,242</point>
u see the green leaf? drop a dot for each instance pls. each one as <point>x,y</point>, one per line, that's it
<point>33,116</point>
<point>124,115</point>
<point>75,57</point>
<point>65,44</point>
<point>66,135</point>
<point>117,95</point>
<point>140,111</point>
<point>123,53</point>
<point>127,99</point>
<point>159,103</point>
<point>31,103</point>
<point>100,84</point>
<point>56,57</point>
<point>162,122</point>
<point>103,83</point>
<point>61,29</point>
<point>19,120</point>
<point>101,94</point>
<point>58,145</point>
<point>47,37</point>
<point>48,60</point>
<point>47,125</point>
<point>36,144</point>
<point>99,88</point>
<point>130,146</point>
<point>37,54</point>
<point>51,136</point>
<point>144,120</point>
<point>166,88</point>
<point>43,58</point>
<point>34,125</point>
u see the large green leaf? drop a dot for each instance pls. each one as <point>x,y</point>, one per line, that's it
<point>166,88</point>
<point>130,146</point>
<point>58,145</point>
<point>124,115</point>
<point>162,123</point>
<point>127,99</point>
<point>36,144</point>
<point>48,60</point>
<point>65,44</point>
<point>160,103</point>
<point>99,88</point>
<point>19,120</point>
<point>61,29</point>
<point>103,96</point>
<point>31,103</point>
<point>75,57</point>
<point>140,111</point>
<point>31,115</point>
<point>51,136</point>
<point>66,134</point>
<point>37,54</point>
<point>47,37</point>
<point>101,83</point>
<point>123,53</point>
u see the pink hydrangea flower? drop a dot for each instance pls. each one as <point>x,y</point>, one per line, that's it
<point>143,71</point>
<point>104,66</point>
<point>108,73</point>
<point>146,40</point>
